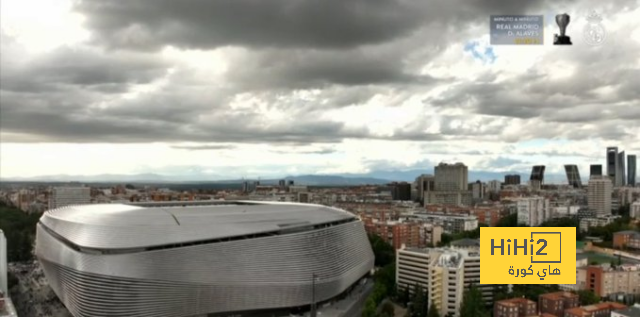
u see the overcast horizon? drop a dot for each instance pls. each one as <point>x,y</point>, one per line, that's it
<point>250,88</point>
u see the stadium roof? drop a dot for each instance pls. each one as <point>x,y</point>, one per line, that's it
<point>119,226</point>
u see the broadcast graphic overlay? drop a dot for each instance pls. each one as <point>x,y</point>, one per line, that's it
<point>516,29</point>
<point>527,255</point>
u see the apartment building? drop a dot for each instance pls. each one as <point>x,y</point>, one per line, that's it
<point>533,211</point>
<point>599,195</point>
<point>626,239</point>
<point>556,303</point>
<point>450,223</point>
<point>444,272</point>
<point>596,310</point>
<point>66,196</point>
<point>514,307</point>
<point>582,261</point>
<point>605,281</point>
<point>634,211</point>
<point>601,221</point>
<point>410,234</point>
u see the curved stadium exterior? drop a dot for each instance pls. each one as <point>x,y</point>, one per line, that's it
<point>185,260</point>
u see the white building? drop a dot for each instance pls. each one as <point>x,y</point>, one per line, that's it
<point>634,212</point>
<point>3,264</point>
<point>581,275</point>
<point>533,211</point>
<point>66,196</point>
<point>564,211</point>
<point>586,223</point>
<point>599,195</point>
<point>494,186</point>
<point>444,272</point>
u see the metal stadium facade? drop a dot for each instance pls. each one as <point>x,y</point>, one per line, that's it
<point>186,260</point>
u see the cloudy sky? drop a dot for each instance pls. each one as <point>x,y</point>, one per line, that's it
<point>253,87</point>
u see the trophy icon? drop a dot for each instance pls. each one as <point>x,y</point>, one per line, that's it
<point>562,20</point>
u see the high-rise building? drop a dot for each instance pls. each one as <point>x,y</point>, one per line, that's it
<point>67,196</point>
<point>3,264</point>
<point>451,177</point>
<point>612,164</point>
<point>512,179</point>
<point>599,195</point>
<point>444,272</point>
<point>573,175</point>
<point>533,211</point>
<point>400,191</point>
<point>494,186</point>
<point>595,170</point>
<point>477,190</point>
<point>451,185</point>
<point>425,183</point>
<point>537,173</point>
<point>631,170</point>
<point>621,171</point>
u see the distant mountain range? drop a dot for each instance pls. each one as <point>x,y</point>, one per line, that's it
<point>345,179</point>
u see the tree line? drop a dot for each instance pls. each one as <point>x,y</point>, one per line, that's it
<point>19,230</point>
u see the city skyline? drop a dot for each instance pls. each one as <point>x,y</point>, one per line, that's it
<point>117,91</point>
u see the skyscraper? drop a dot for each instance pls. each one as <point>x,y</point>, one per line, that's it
<point>573,175</point>
<point>620,170</point>
<point>537,173</point>
<point>451,177</point>
<point>631,170</point>
<point>612,163</point>
<point>595,170</point>
<point>512,179</point>
<point>599,195</point>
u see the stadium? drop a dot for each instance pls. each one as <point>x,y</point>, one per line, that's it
<point>215,258</point>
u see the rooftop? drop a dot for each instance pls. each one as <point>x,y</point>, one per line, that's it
<point>515,301</point>
<point>559,295</point>
<point>466,243</point>
<point>633,311</point>
<point>120,226</point>
<point>595,307</point>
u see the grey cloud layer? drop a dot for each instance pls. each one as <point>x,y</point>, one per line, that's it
<point>348,51</point>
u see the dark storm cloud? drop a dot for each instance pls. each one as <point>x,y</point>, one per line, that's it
<point>208,24</point>
<point>82,67</point>
<point>332,24</point>
<point>213,147</point>
<point>300,69</point>
<point>322,151</point>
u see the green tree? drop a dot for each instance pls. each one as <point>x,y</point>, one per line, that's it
<point>12,280</point>
<point>387,277</point>
<point>404,296</point>
<point>473,304</point>
<point>384,252</point>
<point>387,309</point>
<point>419,302</point>
<point>433,311</point>
<point>19,228</point>
<point>369,308</point>
<point>587,297</point>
